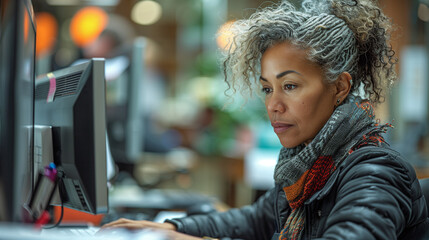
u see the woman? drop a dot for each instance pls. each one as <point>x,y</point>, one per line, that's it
<point>320,71</point>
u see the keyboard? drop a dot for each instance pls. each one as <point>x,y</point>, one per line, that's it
<point>12,231</point>
<point>92,233</point>
<point>79,231</point>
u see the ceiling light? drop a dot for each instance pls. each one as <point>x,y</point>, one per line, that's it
<point>146,12</point>
<point>423,12</point>
<point>87,24</point>
<point>225,36</point>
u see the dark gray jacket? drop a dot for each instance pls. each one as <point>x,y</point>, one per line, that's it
<point>374,194</point>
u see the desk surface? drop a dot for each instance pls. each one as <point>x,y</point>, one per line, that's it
<point>26,232</point>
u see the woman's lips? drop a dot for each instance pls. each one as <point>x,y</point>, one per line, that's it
<point>280,127</point>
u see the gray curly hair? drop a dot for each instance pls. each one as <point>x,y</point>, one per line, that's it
<point>340,35</point>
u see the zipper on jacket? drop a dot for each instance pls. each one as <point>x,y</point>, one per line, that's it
<point>276,210</point>
<point>307,224</point>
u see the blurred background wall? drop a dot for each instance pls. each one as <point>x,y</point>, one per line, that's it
<point>167,124</point>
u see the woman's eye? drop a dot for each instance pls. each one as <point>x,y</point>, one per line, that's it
<point>266,90</point>
<point>289,87</point>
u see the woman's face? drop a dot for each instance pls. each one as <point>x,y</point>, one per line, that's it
<point>298,100</point>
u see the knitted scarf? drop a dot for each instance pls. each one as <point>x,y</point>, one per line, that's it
<point>303,170</point>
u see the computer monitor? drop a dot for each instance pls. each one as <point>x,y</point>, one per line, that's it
<point>72,102</point>
<point>17,60</point>
<point>125,123</point>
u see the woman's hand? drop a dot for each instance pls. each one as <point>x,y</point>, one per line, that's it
<point>135,225</point>
<point>167,228</point>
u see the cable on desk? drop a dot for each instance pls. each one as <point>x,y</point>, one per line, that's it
<point>61,190</point>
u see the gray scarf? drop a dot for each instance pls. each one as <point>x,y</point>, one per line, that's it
<point>344,129</point>
<point>303,170</point>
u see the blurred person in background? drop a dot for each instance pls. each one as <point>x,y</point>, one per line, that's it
<point>111,46</point>
<point>320,70</point>
<point>116,47</point>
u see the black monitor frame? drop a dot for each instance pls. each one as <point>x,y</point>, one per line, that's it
<point>72,102</point>
<point>17,64</point>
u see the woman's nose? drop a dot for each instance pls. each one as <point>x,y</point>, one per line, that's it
<point>275,104</point>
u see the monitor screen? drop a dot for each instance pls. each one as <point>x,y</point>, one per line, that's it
<point>71,101</point>
<point>17,59</point>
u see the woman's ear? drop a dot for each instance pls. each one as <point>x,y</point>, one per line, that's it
<point>343,86</point>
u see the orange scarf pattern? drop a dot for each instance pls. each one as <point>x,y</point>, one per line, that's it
<point>310,182</point>
<point>304,170</point>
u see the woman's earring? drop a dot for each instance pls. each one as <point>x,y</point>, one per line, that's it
<point>338,101</point>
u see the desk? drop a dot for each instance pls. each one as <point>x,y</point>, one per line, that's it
<point>422,172</point>
<point>234,172</point>
<point>27,232</point>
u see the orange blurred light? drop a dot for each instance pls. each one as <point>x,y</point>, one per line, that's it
<point>47,29</point>
<point>87,24</point>
<point>26,27</point>
<point>225,36</point>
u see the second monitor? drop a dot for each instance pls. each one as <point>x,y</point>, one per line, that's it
<point>72,102</point>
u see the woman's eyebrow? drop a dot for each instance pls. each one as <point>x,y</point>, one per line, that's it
<point>280,75</point>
